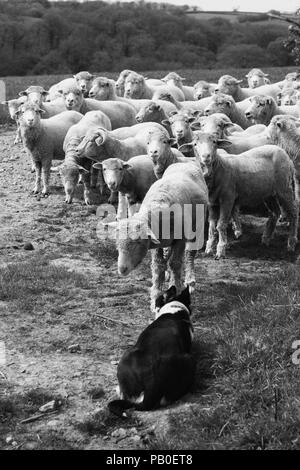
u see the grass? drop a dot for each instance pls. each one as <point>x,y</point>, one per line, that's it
<point>15,84</point>
<point>24,282</point>
<point>252,401</point>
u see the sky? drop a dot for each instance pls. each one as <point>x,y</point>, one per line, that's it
<point>242,5</point>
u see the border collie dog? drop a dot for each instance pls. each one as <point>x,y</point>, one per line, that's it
<point>159,368</point>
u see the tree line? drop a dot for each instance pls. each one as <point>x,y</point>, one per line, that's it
<point>42,37</point>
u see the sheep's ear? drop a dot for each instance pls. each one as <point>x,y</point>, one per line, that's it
<point>239,81</point>
<point>269,100</point>
<point>191,119</point>
<point>223,143</point>
<point>196,125</point>
<point>185,147</point>
<point>41,111</point>
<point>126,165</point>
<point>172,141</point>
<point>82,170</point>
<point>279,124</point>
<point>61,92</point>
<point>171,113</point>
<point>181,78</point>
<point>97,166</point>
<point>23,93</point>
<point>152,237</point>
<point>99,141</point>
<point>227,124</point>
<point>44,92</point>
<point>266,74</point>
<point>166,122</point>
<point>56,169</point>
<point>229,103</point>
<point>4,103</point>
<point>196,114</point>
<point>247,76</point>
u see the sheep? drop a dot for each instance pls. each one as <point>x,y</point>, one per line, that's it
<point>153,112</point>
<point>221,103</point>
<point>257,78</point>
<point>217,123</point>
<point>231,86</point>
<point>132,179</point>
<point>284,132</point>
<point>72,167</point>
<point>291,79</point>
<point>264,174</point>
<point>37,95</point>
<point>83,80</point>
<point>136,87</point>
<point>120,114</point>
<point>184,106</point>
<point>13,106</point>
<point>124,74</point>
<point>241,143</point>
<point>174,79</point>
<point>287,97</point>
<point>182,189</point>
<point>180,125</point>
<point>263,108</point>
<point>203,89</point>
<point>161,153</point>
<point>43,139</point>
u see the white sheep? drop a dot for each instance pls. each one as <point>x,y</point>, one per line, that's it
<point>221,103</point>
<point>13,106</point>
<point>183,106</point>
<point>37,95</point>
<point>175,80</point>
<point>257,78</point>
<point>180,125</point>
<point>153,112</point>
<point>120,114</point>
<point>83,80</point>
<point>203,89</point>
<point>262,175</point>
<point>182,188</point>
<point>231,86</point>
<point>136,87</point>
<point>132,179</point>
<point>43,139</point>
<point>262,108</point>
<point>73,166</point>
<point>120,83</point>
<point>217,123</point>
<point>287,97</point>
<point>161,153</point>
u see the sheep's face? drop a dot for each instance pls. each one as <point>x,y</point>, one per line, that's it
<point>214,124</point>
<point>113,172</point>
<point>134,87</point>
<point>228,85</point>
<point>173,79</point>
<point>35,94</point>
<point>73,99</point>
<point>220,104</point>
<point>89,146</point>
<point>121,82</point>
<point>152,112</point>
<point>261,107</point>
<point>287,98</point>
<point>14,105</point>
<point>201,90</point>
<point>133,241</point>
<point>30,115</point>
<point>205,146</point>
<point>84,82</point>
<point>100,89</point>
<point>180,126</point>
<point>280,124</point>
<point>159,150</point>
<point>256,78</point>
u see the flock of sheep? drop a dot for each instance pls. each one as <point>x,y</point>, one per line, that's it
<point>158,143</point>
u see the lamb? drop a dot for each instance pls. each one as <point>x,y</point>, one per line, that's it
<point>263,108</point>
<point>225,104</point>
<point>120,83</point>
<point>231,86</point>
<point>287,97</point>
<point>264,174</point>
<point>161,153</point>
<point>13,106</point>
<point>136,87</point>
<point>83,80</point>
<point>284,132</point>
<point>175,80</point>
<point>43,139</point>
<point>203,89</point>
<point>132,179</point>
<point>72,167</point>
<point>257,78</point>
<point>181,187</point>
<point>120,114</point>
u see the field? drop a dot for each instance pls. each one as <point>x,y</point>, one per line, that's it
<point>66,317</point>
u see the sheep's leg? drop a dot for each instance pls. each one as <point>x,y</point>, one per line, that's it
<point>101,182</point>
<point>46,167</point>
<point>274,212</point>
<point>122,206</point>
<point>94,177</point>
<point>38,173</point>
<point>236,222</point>
<point>158,268</point>
<point>86,178</point>
<point>291,207</point>
<point>133,208</point>
<point>225,214</point>
<point>176,262</point>
<point>18,138</point>
<point>212,230</point>
<point>113,198</point>
<point>190,278</point>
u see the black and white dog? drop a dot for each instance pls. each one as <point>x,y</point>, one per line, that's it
<point>159,369</point>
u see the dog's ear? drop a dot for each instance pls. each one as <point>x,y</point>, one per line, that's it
<point>159,302</point>
<point>170,294</point>
<point>185,297</point>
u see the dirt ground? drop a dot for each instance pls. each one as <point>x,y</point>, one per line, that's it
<point>100,314</point>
